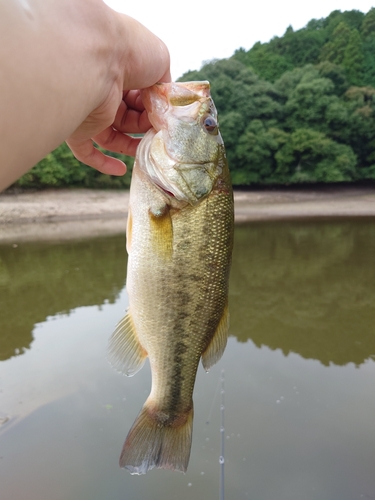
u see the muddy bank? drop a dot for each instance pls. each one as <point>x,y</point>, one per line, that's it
<point>79,213</point>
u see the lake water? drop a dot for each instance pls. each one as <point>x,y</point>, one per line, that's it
<point>299,372</point>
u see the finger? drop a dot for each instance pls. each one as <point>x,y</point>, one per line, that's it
<point>88,154</point>
<point>143,68</point>
<point>129,120</point>
<point>113,140</point>
<point>167,77</point>
<point>133,99</point>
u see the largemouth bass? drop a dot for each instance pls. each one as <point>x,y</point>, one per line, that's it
<point>179,241</point>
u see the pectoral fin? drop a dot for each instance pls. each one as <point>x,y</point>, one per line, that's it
<point>216,347</point>
<point>129,231</point>
<point>162,231</point>
<point>125,352</point>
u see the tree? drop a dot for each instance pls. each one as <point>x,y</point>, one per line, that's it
<point>360,102</point>
<point>336,74</point>
<point>255,162</point>
<point>352,18</point>
<point>308,102</point>
<point>353,58</point>
<point>60,168</point>
<point>368,24</point>
<point>368,37</point>
<point>266,62</point>
<point>300,47</point>
<point>309,156</point>
<point>232,126</point>
<point>334,49</point>
<point>286,84</point>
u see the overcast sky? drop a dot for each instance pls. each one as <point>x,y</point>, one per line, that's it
<point>201,30</point>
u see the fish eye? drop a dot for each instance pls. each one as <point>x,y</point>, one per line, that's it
<point>210,124</point>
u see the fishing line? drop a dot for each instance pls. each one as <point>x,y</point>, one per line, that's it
<point>220,383</point>
<point>222,431</point>
<point>213,401</point>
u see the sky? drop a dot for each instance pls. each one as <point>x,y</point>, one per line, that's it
<point>201,30</point>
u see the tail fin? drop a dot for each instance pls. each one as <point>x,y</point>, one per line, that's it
<point>152,443</point>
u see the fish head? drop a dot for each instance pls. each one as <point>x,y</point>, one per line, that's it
<point>185,153</point>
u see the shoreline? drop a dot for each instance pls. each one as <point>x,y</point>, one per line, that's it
<point>81,213</point>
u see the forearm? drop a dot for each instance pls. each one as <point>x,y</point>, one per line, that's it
<point>59,61</point>
<point>49,77</point>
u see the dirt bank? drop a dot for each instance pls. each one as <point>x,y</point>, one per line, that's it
<point>66,214</point>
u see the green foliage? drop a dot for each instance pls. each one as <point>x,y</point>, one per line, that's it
<point>302,128</point>
<point>300,108</point>
<point>336,74</point>
<point>310,156</point>
<point>353,18</point>
<point>345,48</point>
<point>368,24</point>
<point>369,61</point>
<point>308,102</point>
<point>299,47</point>
<point>343,38</point>
<point>334,49</point>
<point>61,169</point>
<point>255,162</point>
<point>354,58</point>
<point>265,62</point>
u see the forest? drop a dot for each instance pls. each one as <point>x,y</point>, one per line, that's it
<point>297,109</point>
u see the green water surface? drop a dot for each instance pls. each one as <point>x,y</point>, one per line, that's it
<point>299,372</point>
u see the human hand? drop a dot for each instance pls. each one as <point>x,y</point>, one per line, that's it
<point>144,62</point>
<point>75,76</point>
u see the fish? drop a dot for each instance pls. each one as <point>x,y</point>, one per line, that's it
<point>179,243</point>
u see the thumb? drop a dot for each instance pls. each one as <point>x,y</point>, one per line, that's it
<point>146,59</point>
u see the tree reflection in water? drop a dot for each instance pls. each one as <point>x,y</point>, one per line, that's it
<point>306,287</point>
<point>38,280</point>
<point>303,287</point>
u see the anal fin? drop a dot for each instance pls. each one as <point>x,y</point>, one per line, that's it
<point>216,347</point>
<point>125,352</point>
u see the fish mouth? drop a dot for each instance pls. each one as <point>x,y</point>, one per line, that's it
<point>159,98</point>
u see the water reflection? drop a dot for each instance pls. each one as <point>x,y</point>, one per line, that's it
<point>306,287</point>
<point>302,298</point>
<point>41,280</point>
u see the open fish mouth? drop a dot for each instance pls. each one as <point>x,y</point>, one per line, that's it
<point>186,98</point>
